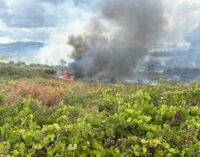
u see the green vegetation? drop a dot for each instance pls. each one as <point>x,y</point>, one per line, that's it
<point>21,70</point>
<point>57,118</point>
<point>1,98</point>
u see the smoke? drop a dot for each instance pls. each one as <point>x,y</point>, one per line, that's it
<point>119,38</point>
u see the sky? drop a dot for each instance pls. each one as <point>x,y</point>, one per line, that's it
<point>53,21</point>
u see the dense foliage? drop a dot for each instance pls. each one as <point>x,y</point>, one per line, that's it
<point>162,120</point>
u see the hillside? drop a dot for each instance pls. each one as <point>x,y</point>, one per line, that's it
<point>20,70</point>
<point>46,116</point>
<point>18,50</point>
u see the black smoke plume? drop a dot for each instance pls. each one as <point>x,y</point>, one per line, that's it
<point>117,40</point>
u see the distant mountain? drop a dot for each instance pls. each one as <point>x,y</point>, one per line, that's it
<point>18,50</point>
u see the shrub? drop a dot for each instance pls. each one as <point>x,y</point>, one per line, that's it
<point>152,121</point>
<point>50,71</point>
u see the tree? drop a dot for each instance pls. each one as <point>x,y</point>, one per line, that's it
<point>63,62</point>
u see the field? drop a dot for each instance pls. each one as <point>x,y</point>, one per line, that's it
<point>41,115</point>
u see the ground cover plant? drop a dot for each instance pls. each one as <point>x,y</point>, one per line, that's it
<point>50,117</point>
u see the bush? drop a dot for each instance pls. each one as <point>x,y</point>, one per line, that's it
<point>50,71</point>
<point>151,121</point>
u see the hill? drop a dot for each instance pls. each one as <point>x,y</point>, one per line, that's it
<point>18,50</point>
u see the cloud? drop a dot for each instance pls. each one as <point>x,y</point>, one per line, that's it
<point>52,1</point>
<point>2,4</point>
<point>86,3</point>
<point>15,34</point>
<point>52,21</point>
<point>35,20</point>
<point>32,13</point>
<point>38,13</point>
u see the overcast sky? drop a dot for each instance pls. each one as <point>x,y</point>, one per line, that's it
<point>52,21</point>
<point>35,20</point>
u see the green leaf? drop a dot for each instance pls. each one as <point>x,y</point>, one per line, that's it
<point>144,150</point>
<point>136,153</point>
<point>56,126</point>
<point>15,153</point>
<point>150,135</point>
<point>28,139</point>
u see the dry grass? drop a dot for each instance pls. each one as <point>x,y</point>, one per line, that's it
<point>25,89</point>
<point>49,91</point>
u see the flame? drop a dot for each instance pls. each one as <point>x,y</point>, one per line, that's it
<point>68,76</point>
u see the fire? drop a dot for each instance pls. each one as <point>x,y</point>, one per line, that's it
<point>68,76</point>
